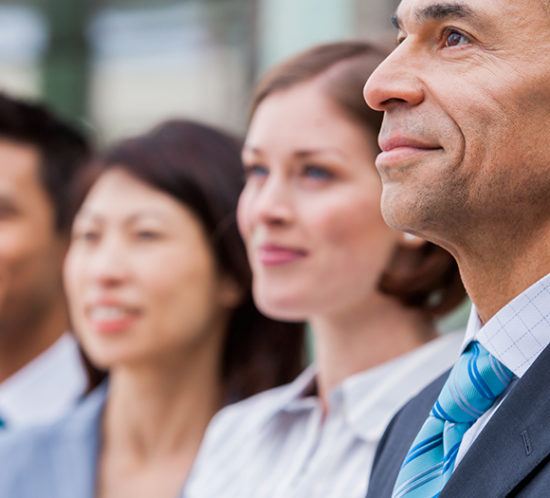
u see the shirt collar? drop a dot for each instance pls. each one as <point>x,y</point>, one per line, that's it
<point>519,331</point>
<point>300,393</point>
<point>472,328</point>
<point>46,387</point>
<point>372,398</point>
<point>369,399</point>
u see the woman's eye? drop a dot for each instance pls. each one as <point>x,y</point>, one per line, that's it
<point>255,170</point>
<point>454,38</point>
<point>317,172</point>
<point>86,236</point>
<point>147,235</point>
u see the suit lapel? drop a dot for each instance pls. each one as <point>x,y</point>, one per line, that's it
<point>75,467</point>
<point>398,437</point>
<point>76,452</point>
<point>515,440</point>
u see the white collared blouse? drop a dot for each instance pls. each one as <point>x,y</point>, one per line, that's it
<point>278,445</point>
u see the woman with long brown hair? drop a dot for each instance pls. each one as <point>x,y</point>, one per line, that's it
<point>320,251</point>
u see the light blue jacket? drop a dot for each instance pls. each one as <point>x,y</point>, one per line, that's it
<point>58,460</point>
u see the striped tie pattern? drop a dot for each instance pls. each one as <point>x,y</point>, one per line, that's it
<point>474,383</point>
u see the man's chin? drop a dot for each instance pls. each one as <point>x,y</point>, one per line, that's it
<point>396,211</point>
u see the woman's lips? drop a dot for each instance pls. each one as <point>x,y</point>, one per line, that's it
<point>271,255</point>
<point>111,318</point>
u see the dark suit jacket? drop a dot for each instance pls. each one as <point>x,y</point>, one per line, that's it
<point>510,457</point>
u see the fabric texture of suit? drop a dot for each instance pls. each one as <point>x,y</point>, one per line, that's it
<point>58,460</point>
<point>510,457</point>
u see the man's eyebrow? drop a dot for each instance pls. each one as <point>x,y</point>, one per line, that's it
<point>438,11</point>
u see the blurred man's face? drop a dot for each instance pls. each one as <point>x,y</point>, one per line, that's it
<point>31,251</point>
<point>466,135</point>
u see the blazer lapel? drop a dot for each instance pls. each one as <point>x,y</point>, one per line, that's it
<point>76,452</point>
<point>515,440</point>
<point>398,437</point>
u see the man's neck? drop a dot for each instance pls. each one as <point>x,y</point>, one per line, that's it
<point>494,277</point>
<point>19,347</point>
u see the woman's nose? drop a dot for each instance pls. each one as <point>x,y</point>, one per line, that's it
<point>273,204</point>
<point>108,263</point>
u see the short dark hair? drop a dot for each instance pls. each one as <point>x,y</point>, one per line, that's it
<point>426,278</point>
<point>200,167</point>
<point>63,150</point>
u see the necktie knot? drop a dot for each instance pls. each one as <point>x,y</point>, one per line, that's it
<point>475,382</point>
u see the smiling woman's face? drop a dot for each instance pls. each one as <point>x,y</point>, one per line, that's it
<point>140,275</point>
<point>310,210</point>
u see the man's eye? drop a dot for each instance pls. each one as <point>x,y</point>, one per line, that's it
<point>454,38</point>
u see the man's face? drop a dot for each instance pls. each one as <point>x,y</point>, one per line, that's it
<point>31,251</point>
<point>466,135</point>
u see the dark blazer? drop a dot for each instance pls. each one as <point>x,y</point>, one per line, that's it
<point>510,457</point>
<point>54,461</point>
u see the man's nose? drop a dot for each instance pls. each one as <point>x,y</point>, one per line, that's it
<point>395,81</point>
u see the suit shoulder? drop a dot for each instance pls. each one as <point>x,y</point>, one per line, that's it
<point>21,451</point>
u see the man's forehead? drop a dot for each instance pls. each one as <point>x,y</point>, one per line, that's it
<point>421,11</point>
<point>410,6</point>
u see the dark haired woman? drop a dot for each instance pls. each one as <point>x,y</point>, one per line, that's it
<point>159,293</point>
<point>320,251</point>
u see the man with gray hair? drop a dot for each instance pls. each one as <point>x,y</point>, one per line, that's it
<point>465,163</point>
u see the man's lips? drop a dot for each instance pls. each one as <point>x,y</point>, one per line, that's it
<point>273,254</point>
<point>397,149</point>
<point>390,143</point>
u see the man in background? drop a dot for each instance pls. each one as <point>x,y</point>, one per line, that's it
<point>42,373</point>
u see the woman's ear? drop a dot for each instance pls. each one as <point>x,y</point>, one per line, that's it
<point>230,292</point>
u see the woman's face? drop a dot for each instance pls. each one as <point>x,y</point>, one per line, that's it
<point>309,212</point>
<point>140,275</point>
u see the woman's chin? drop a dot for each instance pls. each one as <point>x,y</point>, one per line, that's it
<point>282,308</point>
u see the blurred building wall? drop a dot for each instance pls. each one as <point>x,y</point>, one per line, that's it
<point>286,26</point>
<point>124,65</point>
<point>23,36</point>
<point>152,62</point>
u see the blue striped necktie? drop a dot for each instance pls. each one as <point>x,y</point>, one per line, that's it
<point>474,383</point>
